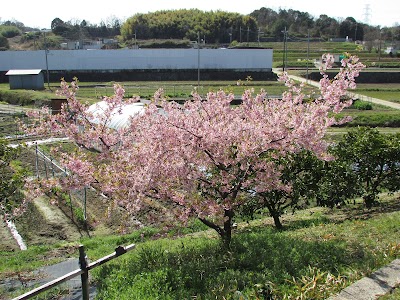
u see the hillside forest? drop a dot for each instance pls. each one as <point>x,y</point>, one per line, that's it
<point>214,27</point>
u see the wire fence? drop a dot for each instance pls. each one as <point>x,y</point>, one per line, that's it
<point>46,166</point>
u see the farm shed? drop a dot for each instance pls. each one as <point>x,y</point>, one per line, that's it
<point>31,79</point>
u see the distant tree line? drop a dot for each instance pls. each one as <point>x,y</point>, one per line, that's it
<point>214,26</point>
<point>84,30</point>
<point>217,27</point>
<point>260,25</point>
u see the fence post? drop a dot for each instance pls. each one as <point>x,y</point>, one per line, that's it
<point>45,165</point>
<point>37,160</point>
<point>83,263</point>
<point>84,206</point>
<point>52,165</point>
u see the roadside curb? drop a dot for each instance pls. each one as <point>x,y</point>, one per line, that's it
<point>379,283</point>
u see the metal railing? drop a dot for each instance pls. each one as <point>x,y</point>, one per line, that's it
<point>84,269</point>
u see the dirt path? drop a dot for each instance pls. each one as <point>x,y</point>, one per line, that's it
<point>61,226</point>
<point>45,223</point>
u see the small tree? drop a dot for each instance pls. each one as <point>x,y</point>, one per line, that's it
<point>374,158</point>
<point>337,184</point>
<point>302,172</point>
<point>196,159</point>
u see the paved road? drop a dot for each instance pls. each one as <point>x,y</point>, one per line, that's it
<point>354,95</point>
<point>50,273</point>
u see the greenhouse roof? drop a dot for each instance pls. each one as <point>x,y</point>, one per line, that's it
<point>119,119</point>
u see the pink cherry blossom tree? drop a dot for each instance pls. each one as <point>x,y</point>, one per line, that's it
<point>201,158</point>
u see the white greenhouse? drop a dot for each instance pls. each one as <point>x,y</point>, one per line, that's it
<point>119,119</point>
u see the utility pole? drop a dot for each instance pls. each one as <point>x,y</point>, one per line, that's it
<point>355,34</point>
<point>240,34</point>
<point>136,47</point>
<point>284,49</point>
<point>198,61</point>
<point>380,48</point>
<point>308,52</point>
<point>46,50</point>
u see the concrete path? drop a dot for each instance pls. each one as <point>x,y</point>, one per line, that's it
<point>50,273</point>
<point>379,283</point>
<point>354,95</point>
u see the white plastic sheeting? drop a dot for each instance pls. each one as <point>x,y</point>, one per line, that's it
<point>16,235</point>
<point>119,119</point>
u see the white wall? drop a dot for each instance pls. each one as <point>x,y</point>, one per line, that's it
<point>139,59</point>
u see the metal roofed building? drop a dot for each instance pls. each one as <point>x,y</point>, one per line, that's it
<point>30,79</point>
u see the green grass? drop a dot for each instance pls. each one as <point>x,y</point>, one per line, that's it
<point>179,89</point>
<point>388,91</point>
<point>373,118</point>
<point>93,91</point>
<point>389,95</point>
<point>331,252</point>
<point>331,248</point>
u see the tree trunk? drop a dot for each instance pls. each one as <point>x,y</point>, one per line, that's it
<point>369,201</point>
<point>274,213</point>
<point>228,228</point>
<point>226,232</point>
<point>277,221</point>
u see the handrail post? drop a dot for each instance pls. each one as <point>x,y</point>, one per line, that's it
<point>83,263</point>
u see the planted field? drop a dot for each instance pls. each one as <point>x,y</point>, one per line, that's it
<point>387,91</point>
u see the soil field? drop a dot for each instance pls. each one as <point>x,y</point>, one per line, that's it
<point>60,219</point>
<point>57,218</point>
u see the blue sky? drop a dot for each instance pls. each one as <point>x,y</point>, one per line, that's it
<point>40,13</point>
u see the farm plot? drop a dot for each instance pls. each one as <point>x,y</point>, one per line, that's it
<point>61,218</point>
<point>387,91</point>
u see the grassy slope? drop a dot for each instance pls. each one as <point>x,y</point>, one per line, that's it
<point>329,247</point>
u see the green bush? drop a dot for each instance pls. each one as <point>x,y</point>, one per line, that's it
<point>362,105</point>
<point>376,120</point>
<point>4,45</point>
<point>9,31</point>
<point>372,119</point>
<point>25,97</point>
<point>165,44</point>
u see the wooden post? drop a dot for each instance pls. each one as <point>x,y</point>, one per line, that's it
<point>83,263</point>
